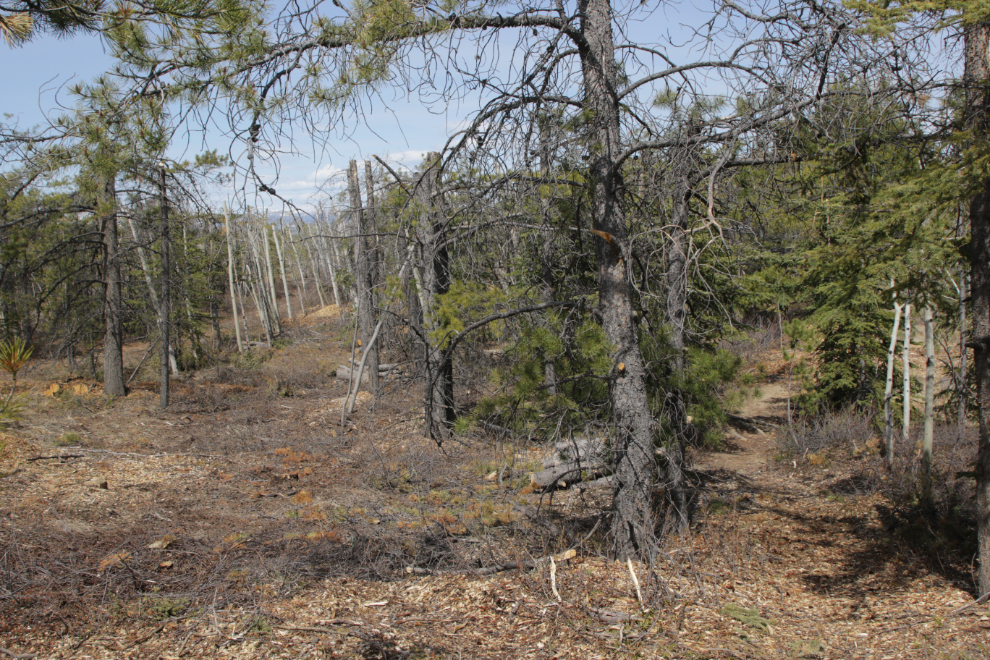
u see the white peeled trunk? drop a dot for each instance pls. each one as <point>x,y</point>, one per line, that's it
<point>888,412</point>
<point>230,275</point>
<point>906,420</point>
<point>281,267</point>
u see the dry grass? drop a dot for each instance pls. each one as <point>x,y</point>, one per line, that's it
<point>246,522</point>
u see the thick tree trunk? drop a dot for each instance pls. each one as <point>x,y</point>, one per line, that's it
<point>439,404</point>
<point>976,76</point>
<point>634,496</point>
<point>888,393</point>
<point>166,296</point>
<point>113,357</point>
<point>963,388</point>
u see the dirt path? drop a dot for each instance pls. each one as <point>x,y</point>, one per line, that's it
<point>749,434</point>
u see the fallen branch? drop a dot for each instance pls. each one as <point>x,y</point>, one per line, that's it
<point>18,656</point>
<point>48,458</point>
<point>979,601</point>
<point>497,568</point>
<point>144,639</point>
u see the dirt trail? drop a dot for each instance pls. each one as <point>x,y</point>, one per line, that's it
<point>748,437</point>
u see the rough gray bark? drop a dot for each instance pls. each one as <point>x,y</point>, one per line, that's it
<point>976,75</point>
<point>439,404</point>
<point>926,445</point>
<point>113,357</point>
<point>634,494</point>
<point>963,390</point>
<point>364,256</point>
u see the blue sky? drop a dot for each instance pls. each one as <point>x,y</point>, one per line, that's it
<point>36,74</point>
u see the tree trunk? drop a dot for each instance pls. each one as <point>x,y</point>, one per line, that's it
<point>166,296</point>
<point>439,404</point>
<point>301,285</point>
<point>633,502</point>
<point>976,75</point>
<point>230,276</point>
<point>364,255</point>
<point>674,451</point>
<point>926,447</point>
<point>281,266</point>
<point>150,281</point>
<point>963,388</point>
<point>113,357</point>
<point>276,321</point>
<point>906,389</point>
<point>888,393</point>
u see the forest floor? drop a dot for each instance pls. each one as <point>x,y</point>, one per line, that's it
<point>246,522</point>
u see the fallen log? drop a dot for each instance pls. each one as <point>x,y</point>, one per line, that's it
<point>582,449</point>
<point>498,568</point>
<point>560,476</point>
<point>346,373</point>
<point>601,482</point>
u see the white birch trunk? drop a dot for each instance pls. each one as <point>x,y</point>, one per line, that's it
<point>906,421</point>
<point>281,267</point>
<point>888,412</point>
<point>230,275</point>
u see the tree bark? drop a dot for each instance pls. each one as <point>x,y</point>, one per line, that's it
<point>888,393</point>
<point>926,446</point>
<point>230,275</point>
<point>976,76</point>
<point>963,388</point>
<point>906,388</point>
<point>113,356</point>
<point>166,295</point>
<point>365,257</point>
<point>281,267</point>
<point>673,453</point>
<point>150,281</point>
<point>634,496</point>
<point>439,404</point>
<point>276,321</point>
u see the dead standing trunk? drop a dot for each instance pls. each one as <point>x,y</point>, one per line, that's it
<point>926,445</point>
<point>633,501</point>
<point>166,294</point>
<point>888,393</point>
<point>364,255</point>
<point>439,404</point>
<point>674,452</point>
<point>230,275</point>
<point>113,357</point>
<point>976,75</point>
